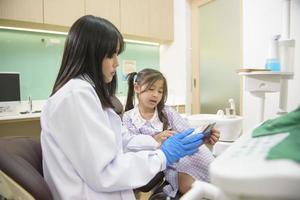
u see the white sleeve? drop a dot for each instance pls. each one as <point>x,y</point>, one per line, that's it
<point>79,126</point>
<point>132,142</point>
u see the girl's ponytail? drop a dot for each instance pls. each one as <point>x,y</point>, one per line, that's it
<point>130,94</point>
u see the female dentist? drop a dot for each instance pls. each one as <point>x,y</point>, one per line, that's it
<point>86,152</point>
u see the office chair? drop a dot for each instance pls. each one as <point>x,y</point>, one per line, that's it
<point>21,162</point>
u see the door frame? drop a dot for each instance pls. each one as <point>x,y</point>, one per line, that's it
<point>195,59</point>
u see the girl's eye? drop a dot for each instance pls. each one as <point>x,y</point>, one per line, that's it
<point>160,92</point>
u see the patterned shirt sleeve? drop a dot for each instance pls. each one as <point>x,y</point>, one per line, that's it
<point>176,121</point>
<point>127,122</point>
<point>133,140</point>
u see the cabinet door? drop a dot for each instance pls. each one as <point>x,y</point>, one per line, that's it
<point>108,9</point>
<point>62,12</point>
<point>24,10</point>
<point>161,19</point>
<point>135,17</point>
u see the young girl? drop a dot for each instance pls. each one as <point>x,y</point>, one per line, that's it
<point>82,137</point>
<point>152,117</point>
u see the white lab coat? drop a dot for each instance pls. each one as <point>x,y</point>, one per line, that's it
<point>83,148</point>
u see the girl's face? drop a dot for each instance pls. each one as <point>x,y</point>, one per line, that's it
<point>152,96</point>
<point>109,67</point>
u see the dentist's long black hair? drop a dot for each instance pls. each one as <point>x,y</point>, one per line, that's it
<point>148,77</point>
<point>89,41</point>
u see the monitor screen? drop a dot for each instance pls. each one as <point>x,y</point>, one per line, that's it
<point>9,86</point>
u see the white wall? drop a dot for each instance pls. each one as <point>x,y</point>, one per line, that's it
<point>175,58</point>
<point>261,20</point>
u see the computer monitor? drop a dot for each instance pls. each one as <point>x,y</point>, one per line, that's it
<point>9,91</point>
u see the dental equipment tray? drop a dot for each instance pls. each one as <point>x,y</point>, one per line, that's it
<point>251,70</point>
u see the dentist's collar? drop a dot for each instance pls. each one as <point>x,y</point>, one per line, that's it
<point>87,78</point>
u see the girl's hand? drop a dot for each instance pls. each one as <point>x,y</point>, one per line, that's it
<point>161,137</point>
<point>213,137</point>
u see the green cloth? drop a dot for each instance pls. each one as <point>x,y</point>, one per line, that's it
<point>289,148</point>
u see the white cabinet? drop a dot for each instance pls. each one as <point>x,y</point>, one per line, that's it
<point>265,81</point>
<point>259,83</point>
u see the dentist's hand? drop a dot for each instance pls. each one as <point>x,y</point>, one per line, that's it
<point>180,145</point>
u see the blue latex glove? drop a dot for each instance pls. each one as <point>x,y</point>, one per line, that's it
<point>180,145</point>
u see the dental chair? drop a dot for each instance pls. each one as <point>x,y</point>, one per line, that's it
<point>21,172</point>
